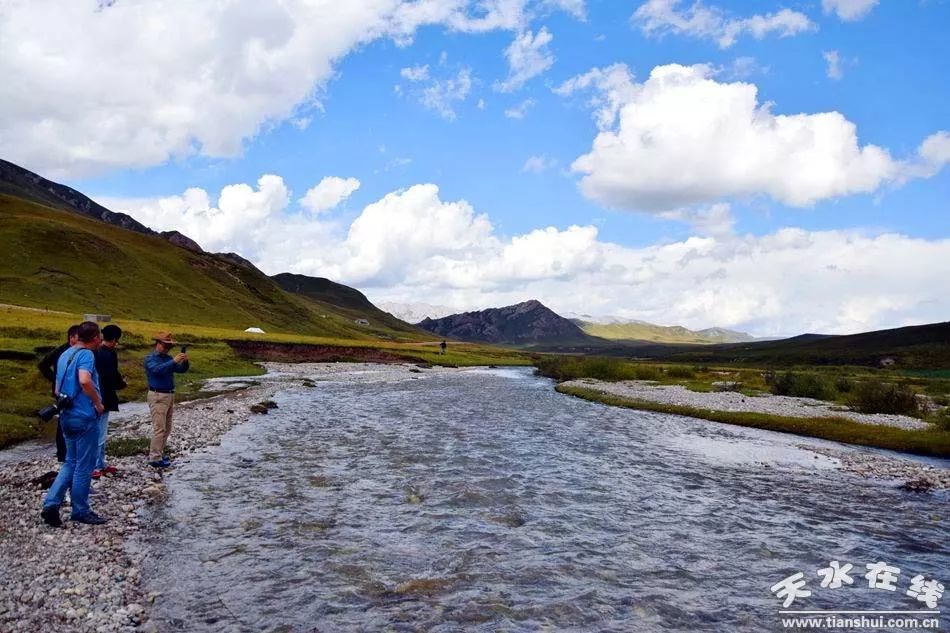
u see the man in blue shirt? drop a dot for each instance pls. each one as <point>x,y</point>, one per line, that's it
<point>160,370</point>
<point>77,378</point>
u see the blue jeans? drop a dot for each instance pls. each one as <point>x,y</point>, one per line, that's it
<point>103,435</point>
<point>82,444</point>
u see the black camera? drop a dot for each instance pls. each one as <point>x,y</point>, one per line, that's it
<point>61,402</point>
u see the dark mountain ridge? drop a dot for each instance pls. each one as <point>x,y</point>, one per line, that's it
<point>22,183</point>
<point>348,300</point>
<point>527,323</point>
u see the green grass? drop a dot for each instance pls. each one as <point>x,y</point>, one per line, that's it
<point>649,332</point>
<point>933,442</point>
<point>23,390</point>
<point>128,446</point>
<point>16,428</point>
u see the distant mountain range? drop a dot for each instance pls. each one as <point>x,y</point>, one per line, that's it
<point>415,312</point>
<point>606,327</point>
<point>642,331</point>
<point>528,323</point>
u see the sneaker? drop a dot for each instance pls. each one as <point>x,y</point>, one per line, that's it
<point>96,474</point>
<point>110,470</point>
<point>160,463</point>
<point>51,516</point>
<point>90,518</point>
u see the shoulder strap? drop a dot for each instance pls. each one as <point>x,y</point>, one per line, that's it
<point>68,363</point>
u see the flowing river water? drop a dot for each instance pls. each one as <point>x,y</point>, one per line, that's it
<point>482,500</point>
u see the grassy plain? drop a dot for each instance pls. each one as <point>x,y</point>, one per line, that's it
<point>26,333</point>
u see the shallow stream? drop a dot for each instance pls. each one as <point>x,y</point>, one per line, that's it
<point>484,500</point>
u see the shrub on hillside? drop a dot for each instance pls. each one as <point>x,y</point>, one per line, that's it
<point>843,385</point>
<point>801,385</point>
<point>571,368</point>
<point>942,400</point>
<point>873,396</point>
<point>605,369</point>
<point>679,371</point>
<point>646,372</point>
<point>942,419</point>
<point>727,385</point>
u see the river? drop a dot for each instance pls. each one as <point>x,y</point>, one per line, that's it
<point>482,500</point>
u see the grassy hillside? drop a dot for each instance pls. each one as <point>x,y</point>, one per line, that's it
<point>323,295</point>
<point>634,331</point>
<point>62,261</point>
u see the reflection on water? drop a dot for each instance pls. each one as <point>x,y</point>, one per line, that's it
<point>483,500</point>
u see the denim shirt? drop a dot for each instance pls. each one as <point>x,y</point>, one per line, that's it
<point>67,375</point>
<point>160,370</point>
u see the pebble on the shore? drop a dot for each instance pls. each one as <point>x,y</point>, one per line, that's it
<point>84,578</point>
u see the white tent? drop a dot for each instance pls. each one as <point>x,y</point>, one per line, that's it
<point>255,330</point>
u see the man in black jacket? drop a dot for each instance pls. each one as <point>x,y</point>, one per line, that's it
<point>110,381</point>
<point>47,367</point>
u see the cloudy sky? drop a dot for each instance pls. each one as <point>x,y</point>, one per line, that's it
<point>776,167</point>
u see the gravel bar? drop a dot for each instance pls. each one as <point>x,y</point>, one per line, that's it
<point>915,474</point>
<point>86,578</point>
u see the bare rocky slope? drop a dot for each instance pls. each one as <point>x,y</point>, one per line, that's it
<point>527,323</point>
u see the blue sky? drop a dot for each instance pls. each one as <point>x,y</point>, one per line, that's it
<point>664,232</point>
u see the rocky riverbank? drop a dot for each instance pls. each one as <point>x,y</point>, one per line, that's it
<point>914,475</point>
<point>734,401</point>
<point>87,578</point>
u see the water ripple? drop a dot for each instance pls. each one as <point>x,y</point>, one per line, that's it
<point>485,501</point>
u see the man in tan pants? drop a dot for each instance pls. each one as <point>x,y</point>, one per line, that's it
<point>160,370</point>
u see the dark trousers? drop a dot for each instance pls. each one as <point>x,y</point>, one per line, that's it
<point>60,443</point>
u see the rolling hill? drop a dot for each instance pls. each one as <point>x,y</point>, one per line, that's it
<point>65,252</point>
<point>325,294</point>
<point>643,331</point>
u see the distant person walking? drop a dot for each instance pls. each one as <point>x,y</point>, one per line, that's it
<point>47,367</point>
<point>442,347</point>
<point>110,381</point>
<point>160,370</point>
<point>77,378</point>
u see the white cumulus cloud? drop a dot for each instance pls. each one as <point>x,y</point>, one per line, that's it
<point>849,10</point>
<point>412,245</point>
<point>528,56</point>
<point>657,17</point>
<point>682,138</point>
<point>136,84</point>
<point>328,193</point>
